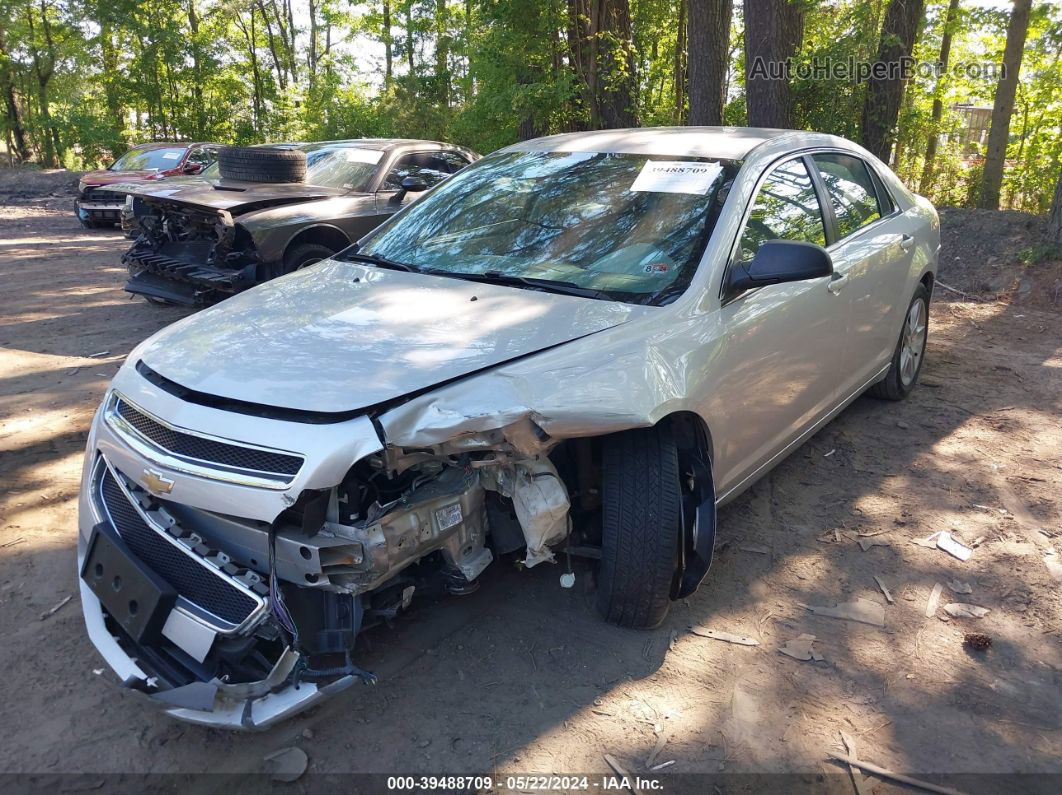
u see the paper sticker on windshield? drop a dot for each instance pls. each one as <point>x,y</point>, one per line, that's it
<point>353,155</point>
<point>449,516</point>
<point>170,155</point>
<point>677,176</point>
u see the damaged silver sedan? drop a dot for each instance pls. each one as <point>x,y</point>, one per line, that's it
<point>579,345</point>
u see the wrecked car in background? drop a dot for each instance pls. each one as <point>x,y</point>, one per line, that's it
<point>579,345</point>
<point>98,206</point>
<point>274,210</point>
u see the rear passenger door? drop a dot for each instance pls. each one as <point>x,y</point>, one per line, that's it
<point>777,372</point>
<point>871,260</point>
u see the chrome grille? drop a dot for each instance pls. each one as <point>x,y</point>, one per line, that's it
<point>203,449</point>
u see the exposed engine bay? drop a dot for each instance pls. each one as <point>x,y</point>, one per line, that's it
<point>187,254</point>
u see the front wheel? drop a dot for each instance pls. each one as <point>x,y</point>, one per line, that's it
<point>910,351</point>
<point>641,526</point>
<point>304,255</point>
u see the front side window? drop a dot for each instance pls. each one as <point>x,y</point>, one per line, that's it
<point>631,227</point>
<point>202,156</point>
<point>149,159</point>
<point>786,208</point>
<point>432,167</point>
<point>851,191</point>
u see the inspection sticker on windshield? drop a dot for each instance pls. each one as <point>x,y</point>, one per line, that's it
<point>677,176</point>
<point>355,155</point>
<point>170,155</point>
<point>449,516</point>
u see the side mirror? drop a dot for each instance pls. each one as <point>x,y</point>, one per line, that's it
<point>778,261</point>
<point>192,168</point>
<point>414,185</point>
<point>409,185</point>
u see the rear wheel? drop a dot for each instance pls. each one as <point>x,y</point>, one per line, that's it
<point>910,351</point>
<point>641,526</point>
<point>304,255</point>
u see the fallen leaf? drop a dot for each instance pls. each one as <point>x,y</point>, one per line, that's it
<point>865,611</point>
<point>963,610</point>
<point>716,634</point>
<point>287,764</point>
<point>800,648</point>
<point>960,587</point>
<point>934,600</point>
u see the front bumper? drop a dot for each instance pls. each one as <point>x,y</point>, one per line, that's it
<point>249,705</point>
<point>110,212</point>
<point>182,276</point>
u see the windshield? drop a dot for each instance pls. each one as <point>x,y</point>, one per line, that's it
<point>149,159</point>
<point>345,167</point>
<point>631,227</point>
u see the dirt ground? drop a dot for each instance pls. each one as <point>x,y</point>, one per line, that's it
<point>522,677</point>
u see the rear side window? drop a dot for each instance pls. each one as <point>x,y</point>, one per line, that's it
<point>851,190</point>
<point>786,208</point>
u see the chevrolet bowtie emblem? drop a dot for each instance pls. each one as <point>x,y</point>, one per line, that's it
<point>157,482</point>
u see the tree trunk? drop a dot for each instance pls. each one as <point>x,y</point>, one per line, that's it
<point>442,54</point>
<point>681,61</point>
<point>1054,223</point>
<point>409,37</point>
<point>938,96</point>
<point>583,63</point>
<point>885,90</point>
<point>15,123</point>
<point>1003,107</point>
<point>602,54</point>
<point>709,47</point>
<point>774,30</point>
<point>311,57</point>
<point>386,36</point>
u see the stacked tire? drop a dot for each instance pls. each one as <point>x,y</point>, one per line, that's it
<point>262,164</point>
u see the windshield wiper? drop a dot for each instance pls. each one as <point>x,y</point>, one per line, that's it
<point>547,285</point>
<point>379,262</point>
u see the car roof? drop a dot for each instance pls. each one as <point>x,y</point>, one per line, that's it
<point>385,144</point>
<point>726,143</point>
<point>172,145</point>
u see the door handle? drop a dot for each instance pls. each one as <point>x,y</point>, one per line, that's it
<point>837,283</point>
<point>906,242</point>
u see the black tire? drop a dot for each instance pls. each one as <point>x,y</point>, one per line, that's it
<point>262,164</point>
<point>304,255</point>
<point>896,385</point>
<point>641,521</point>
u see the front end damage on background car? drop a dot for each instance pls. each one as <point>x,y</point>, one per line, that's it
<point>228,580</point>
<point>191,246</point>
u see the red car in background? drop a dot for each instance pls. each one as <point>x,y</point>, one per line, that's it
<point>96,206</point>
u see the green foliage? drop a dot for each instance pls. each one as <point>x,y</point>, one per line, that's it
<point>91,77</point>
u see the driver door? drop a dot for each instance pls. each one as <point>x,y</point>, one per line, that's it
<point>782,345</point>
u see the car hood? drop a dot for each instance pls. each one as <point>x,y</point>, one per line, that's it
<point>105,177</point>
<point>230,195</point>
<point>339,336</point>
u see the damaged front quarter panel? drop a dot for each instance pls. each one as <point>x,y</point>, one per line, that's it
<point>510,418</point>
